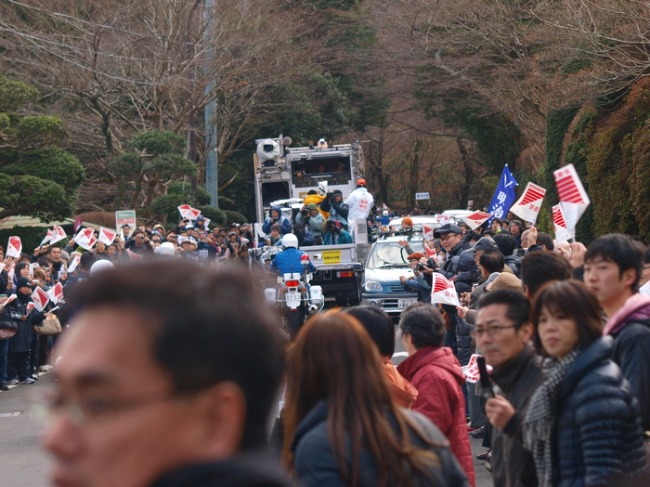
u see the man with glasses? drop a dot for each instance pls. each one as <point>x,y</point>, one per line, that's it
<point>503,333</point>
<point>162,381</point>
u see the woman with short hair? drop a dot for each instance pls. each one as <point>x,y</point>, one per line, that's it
<point>342,427</point>
<point>582,424</point>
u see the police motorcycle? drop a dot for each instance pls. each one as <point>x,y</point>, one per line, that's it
<point>294,295</point>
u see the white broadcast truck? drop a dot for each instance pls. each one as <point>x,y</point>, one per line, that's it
<point>284,175</point>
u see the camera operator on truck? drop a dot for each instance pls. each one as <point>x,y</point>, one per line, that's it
<point>338,210</point>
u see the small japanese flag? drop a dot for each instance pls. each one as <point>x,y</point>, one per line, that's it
<point>472,375</point>
<point>14,247</point>
<point>562,233</point>
<point>427,232</point>
<point>47,238</point>
<point>477,219</point>
<point>56,293</point>
<point>188,212</point>
<point>58,234</point>
<point>530,203</point>
<point>573,197</point>
<point>11,298</point>
<point>107,236</point>
<point>85,238</point>
<point>40,298</point>
<point>74,264</point>
<point>443,291</point>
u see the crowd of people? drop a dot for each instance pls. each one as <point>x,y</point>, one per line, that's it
<point>189,366</point>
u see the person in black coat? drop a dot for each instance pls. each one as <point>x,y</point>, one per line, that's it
<point>20,343</point>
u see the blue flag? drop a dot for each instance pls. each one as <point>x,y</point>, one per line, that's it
<point>504,196</point>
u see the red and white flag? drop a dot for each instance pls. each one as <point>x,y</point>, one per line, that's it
<point>40,298</point>
<point>47,238</point>
<point>477,219</point>
<point>188,212</point>
<point>573,197</point>
<point>73,264</point>
<point>14,247</point>
<point>472,374</point>
<point>427,232</point>
<point>107,236</point>
<point>84,238</point>
<point>56,293</point>
<point>530,202</point>
<point>562,233</point>
<point>58,234</point>
<point>443,291</point>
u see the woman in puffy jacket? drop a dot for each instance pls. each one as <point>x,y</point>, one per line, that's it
<point>582,424</point>
<point>342,427</point>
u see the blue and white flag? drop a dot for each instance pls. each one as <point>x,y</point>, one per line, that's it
<point>504,196</point>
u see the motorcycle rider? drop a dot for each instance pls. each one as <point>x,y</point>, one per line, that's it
<point>289,260</point>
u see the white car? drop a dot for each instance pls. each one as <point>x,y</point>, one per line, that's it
<point>387,261</point>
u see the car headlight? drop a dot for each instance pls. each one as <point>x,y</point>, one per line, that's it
<point>373,286</point>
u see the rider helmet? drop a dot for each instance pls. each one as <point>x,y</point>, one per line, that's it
<point>290,240</point>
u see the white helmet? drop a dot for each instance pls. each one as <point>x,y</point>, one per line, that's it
<point>290,240</point>
<point>166,248</point>
<point>100,265</point>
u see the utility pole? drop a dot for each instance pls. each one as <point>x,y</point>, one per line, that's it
<point>210,112</point>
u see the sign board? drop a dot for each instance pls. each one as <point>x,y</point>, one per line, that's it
<point>125,217</point>
<point>331,257</point>
<point>422,196</point>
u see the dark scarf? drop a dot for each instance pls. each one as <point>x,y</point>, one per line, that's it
<point>541,418</point>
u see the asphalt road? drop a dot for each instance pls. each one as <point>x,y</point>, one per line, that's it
<point>26,465</point>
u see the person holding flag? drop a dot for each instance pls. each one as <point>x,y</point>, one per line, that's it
<point>22,312</point>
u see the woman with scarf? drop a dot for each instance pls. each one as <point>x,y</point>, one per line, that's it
<point>582,424</point>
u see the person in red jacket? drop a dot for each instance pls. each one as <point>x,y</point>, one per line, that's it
<point>436,374</point>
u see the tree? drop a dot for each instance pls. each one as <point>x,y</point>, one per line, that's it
<point>152,161</point>
<point>37,177</point>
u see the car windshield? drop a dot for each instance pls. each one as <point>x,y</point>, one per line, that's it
<point>385,255</point>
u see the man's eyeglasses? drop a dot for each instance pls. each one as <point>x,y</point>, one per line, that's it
<point>92,410</point>
<point>491,330</point>
<point>447,236</point>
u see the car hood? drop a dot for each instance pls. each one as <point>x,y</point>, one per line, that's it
<point>387,275</point>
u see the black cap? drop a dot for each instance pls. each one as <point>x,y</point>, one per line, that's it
<point>23,282</point>
<point>447,228</point>
<point>485,243</point>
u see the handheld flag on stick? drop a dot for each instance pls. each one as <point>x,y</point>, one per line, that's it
<point>504,195</point>
<point>530,203</point>
<point>56,293</point>
<point>476,219</point>
<point>573,197</point>
<point>58,234</point>
<point>106,235</point>
<point>14,247</point>
<point>443,291</point>
<point>40,298</point>
<point>562,233</point>
<point>47,238</point>
<point>188,212</point>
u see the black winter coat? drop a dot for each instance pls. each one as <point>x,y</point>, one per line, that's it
<point>598,431</point>
<point>518,379</point>
<point>316,465</point>
<point>22,340</point>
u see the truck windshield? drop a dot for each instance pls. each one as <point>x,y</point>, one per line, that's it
<point>390,255</point>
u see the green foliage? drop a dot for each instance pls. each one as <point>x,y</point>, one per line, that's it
<point>34,196</point>
<point>159,142</point>
<point>54,164</point>
<point>152,161</point>
<point>178,193</point>
<point>217,216</point>
<point>618,167</point>
<point>36,178</point>
<point>15,94</point>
